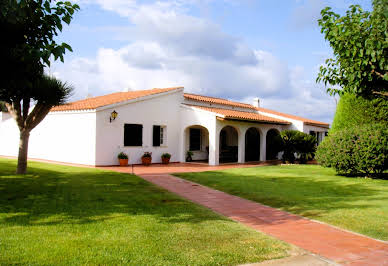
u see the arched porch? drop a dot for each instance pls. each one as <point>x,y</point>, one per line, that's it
<point>252,144</point>
<point>196,140</point>
<point>228,149</point>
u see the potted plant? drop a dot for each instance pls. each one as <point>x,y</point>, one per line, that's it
<point>166,158</point>
<point>123,159</point>
<point>188,156</point>
<point>146,159</point>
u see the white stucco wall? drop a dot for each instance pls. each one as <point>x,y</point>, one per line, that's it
<point>155,110</point>
<point>61,136</point>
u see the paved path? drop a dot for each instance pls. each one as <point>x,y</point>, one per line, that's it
<point>332,243</point>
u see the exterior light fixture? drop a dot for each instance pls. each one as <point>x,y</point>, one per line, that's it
<point>113,116</point>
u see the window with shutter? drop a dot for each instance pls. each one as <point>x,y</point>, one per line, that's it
<point>156,136</point>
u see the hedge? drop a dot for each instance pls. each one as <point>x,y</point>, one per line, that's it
<point>355,111</point>
<point>356,150</point>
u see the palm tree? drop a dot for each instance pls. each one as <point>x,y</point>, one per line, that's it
<point>46,92</point>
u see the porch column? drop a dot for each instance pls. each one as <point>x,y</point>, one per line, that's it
<point>263,145</point>
<point>214,146</point>
<point>241,146</point>
<point>183,141</point>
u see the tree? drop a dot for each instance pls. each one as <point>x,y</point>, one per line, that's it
<point>29,28</point>
<point>360,48</point>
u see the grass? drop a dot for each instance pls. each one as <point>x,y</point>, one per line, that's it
<point>356,204</point>
<point>60,215</point>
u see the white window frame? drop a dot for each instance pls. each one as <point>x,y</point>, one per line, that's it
<point>163,135</point>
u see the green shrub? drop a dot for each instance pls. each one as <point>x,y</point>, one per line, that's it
<point>122,155</point>
<point>293,141</point>
<point>354,111</point>
<point>356,150</point>
<point>306,146</point>
<point>147,155</point>
<point>166,155</point>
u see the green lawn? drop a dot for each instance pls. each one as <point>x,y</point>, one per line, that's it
<point>69,215</point>
<point>356,204</point>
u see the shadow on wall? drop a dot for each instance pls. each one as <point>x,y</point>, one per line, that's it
<point>73,195</point>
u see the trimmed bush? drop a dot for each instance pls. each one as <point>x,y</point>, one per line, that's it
<point>353,111</point>
<point>356,150</point>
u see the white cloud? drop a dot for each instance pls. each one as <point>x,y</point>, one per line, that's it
<point>167,47</point>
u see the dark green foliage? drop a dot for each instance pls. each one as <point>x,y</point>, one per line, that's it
<point>52,91</point>
<point>122,155</point>
<point>166,155</point>
<point>306,146</point>
<point>3,108</point>
<point>360,49</point>
<point>294,141</point>
<point>355,111</point>
<point>29,28</point>
<point>356,150</point>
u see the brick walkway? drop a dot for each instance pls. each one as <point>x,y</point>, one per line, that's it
<point>334,244</point>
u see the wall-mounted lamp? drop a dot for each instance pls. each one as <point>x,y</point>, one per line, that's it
<point>113,116</point>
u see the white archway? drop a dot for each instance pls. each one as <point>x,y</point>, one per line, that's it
<point>196,140</point>
<point>228,144</point>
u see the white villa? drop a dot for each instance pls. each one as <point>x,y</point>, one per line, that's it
<point>158,121</point>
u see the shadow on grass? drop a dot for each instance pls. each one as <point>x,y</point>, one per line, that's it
<point>50,195</point>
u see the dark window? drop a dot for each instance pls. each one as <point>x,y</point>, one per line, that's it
<point>156,136</point>
<point>195,139</point>
<point>133,135</point>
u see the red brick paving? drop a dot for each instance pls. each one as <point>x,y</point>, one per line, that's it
<point>332,243</point>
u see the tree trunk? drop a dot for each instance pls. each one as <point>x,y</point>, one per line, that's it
<point>23,152</point>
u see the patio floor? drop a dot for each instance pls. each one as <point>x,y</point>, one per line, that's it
<point>182,167</point>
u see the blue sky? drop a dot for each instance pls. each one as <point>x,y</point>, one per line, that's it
<point>226,48</point>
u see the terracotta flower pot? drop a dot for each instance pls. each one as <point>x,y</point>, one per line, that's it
<point>165,160</point>
<point>146,160</point>
<point>123,162</point>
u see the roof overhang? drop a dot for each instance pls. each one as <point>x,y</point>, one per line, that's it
<point>252,121</point>
<point>317,125</point>
<point>139,99</point>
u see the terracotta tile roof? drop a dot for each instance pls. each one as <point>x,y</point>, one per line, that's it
<point>95,102</point>
<point>304,120</point>
<point>239,115</point>
<point>215,100</point>
<point>207,99</point>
